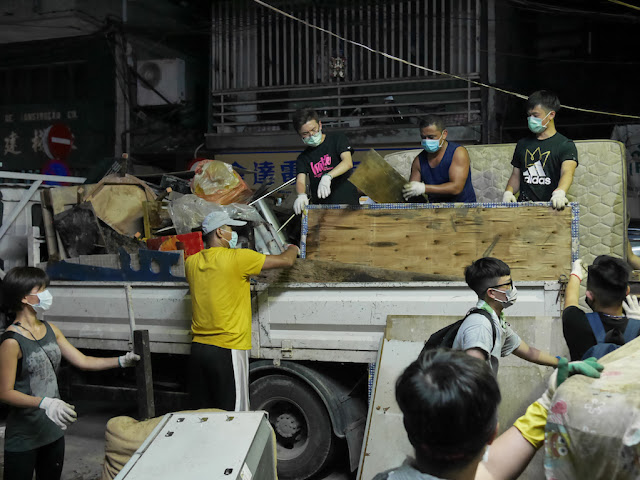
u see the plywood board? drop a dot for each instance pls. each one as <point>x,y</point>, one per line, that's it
<point>521,383</point>
<point>120,207</point>
<point>535,241</point>
<point>377,179</point>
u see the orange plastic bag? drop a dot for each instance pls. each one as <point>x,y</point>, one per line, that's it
<point>218,182</point>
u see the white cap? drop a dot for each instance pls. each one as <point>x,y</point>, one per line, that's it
<point>218,219</point>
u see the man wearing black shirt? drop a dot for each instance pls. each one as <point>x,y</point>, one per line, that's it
<point>544,163</point>
<point>607,286</point>
<point>327,161</point>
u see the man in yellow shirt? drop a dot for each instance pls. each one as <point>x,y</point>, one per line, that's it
<point>218,279</point>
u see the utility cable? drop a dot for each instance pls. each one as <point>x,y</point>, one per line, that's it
<point>426,69</point>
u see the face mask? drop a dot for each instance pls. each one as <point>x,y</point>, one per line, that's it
<point>45,298</point>
<point>512,296</point>
<point>535,124</point>
<point>234,240</point>
<point>432,146</point>
<point>313,140</point>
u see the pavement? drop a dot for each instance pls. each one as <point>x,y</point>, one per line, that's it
<point>84,442</point>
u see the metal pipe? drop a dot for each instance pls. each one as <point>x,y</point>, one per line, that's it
<point>274,190</point>
<point>270,218</point>
<point>132,320</point>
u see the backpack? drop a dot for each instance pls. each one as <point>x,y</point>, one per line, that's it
<point>601,348</point>
<point>446,336</point>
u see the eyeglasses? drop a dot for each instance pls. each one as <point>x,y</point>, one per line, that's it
<point>510,283</point>
<point>311,133</point>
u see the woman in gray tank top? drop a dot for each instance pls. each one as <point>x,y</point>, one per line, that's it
<point>30,353</point>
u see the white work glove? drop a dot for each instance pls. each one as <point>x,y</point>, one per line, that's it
<point>578,270</point>
<point>413,189</point>
<point>128,360</point>
<point>559,199</point>
<point>631,307</point>
<point>300,203</point>
<point>508,197</point>
<point>60,413</point>
<point>290,245</point>
<point>324,188</point>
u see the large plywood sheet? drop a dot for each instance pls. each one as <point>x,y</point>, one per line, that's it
<point>535,241</point>
<point>376,178</point>
<point>386,444</point>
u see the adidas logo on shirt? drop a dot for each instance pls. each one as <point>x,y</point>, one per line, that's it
<point>534,175</point>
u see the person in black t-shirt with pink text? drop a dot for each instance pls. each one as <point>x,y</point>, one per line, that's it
<point>327,161</point>
<point>544,163</point>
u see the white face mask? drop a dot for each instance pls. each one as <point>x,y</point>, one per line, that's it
<point>45,301</point>
<point>511,294</point>
<point>234,239</point>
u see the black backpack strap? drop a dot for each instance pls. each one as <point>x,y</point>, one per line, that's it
<point>488,316</point>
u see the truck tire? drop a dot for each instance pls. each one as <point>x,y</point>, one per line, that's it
<point>305,442</point>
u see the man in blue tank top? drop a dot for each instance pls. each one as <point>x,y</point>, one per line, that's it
<point>442,170</point>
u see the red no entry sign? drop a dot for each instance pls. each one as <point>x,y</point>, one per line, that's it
<point>57,141</point>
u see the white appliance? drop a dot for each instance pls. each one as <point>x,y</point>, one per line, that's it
<point>211,445</point>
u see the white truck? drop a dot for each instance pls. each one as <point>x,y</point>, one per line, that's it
<point>314,343</point>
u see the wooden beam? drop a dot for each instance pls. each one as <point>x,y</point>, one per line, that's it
<point>144,375</point>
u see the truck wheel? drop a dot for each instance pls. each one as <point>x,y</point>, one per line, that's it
<point>304,436</point>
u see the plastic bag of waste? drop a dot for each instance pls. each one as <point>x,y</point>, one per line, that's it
<point>188,212</point>
<point>216,181</point>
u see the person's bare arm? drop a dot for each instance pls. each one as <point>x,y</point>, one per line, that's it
<point>572,292</point>
<point>513,185</point>
<point>346,164</point>
<point>458,174</point>
<point>285,259</point>
<point>9,353</point>
<point>632,258</point>
<point>509,455</point>
<point>533,355</point>
<point>416,174</point>
<point>78,359</point>
<point>301,183</point>
<point>566,175</point>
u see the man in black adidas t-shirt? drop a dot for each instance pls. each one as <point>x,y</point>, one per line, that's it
<point>327,161</point>
<point>607,287</point>
<point>544,163</point>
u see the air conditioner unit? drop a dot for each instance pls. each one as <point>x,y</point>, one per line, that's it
<point>167,76</point>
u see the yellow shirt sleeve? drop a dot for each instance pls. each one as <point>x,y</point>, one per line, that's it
<point>249,262</point>
<point>532,424</point>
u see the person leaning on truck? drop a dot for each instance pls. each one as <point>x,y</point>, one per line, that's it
<point>327,161</point>
<point>218,279</point>
<point>30,354</point>
<point>491,279</point>
<point>544,163</point>
<point>442,170</point>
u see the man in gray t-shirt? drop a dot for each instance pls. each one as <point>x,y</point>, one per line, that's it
<point>491,279</point>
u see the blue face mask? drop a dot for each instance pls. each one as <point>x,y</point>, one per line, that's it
<point>234,240</point>
<point>313,140</point>
<point>432,146</point>
<point>535,124</point>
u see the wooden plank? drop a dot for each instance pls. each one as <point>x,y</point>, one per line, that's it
<point>318,271</point>
<point>377,179</point>
<point>144,375</point>
<point>534,241</point>
<point>64,197</point>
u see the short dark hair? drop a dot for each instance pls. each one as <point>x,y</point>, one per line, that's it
<point>431,120</point>
<point>546,99</point>
<point>484,272</point>
<point>608,278</point>
<point>16,285</point>
<point>450,401</point>
<point>302,116</point>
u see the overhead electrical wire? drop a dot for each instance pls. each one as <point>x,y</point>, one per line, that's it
<point>430,70</point>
